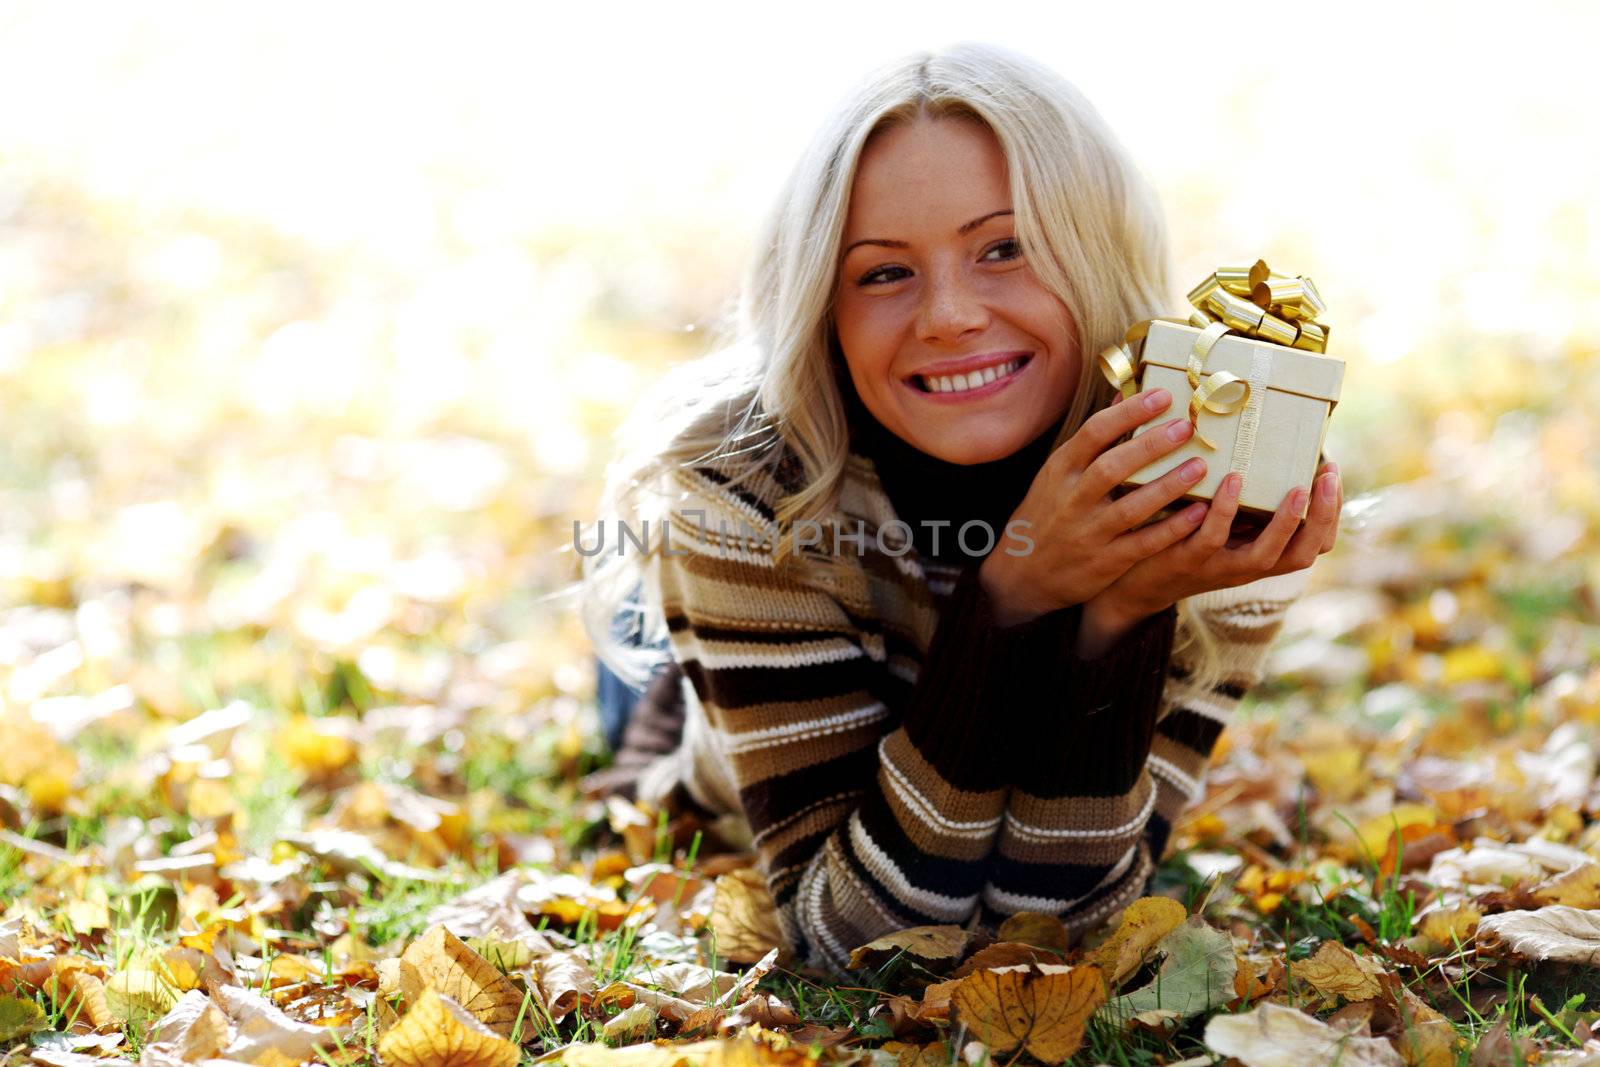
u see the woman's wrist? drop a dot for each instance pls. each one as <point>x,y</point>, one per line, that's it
<point>1105,622</point>
<point>1006,606</point>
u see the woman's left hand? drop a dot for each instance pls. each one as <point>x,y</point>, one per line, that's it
<point>1206,560</point>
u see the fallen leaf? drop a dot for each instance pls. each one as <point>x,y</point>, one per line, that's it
<point>630,1025</point>
<point>1424,1037</point>
<point>744,918</point>
<point>936,948</point>
<point>1569,935</point>
<point>264,1035</point>
<point>1043,1013</point>
<point>437,1032</point>
<point>1144,922</point>
<point>441,961</point>
<point>195,1029</point>
<point>1274,1036</point>
<point>564,978</point>
<point>19,1018</point>
<point>1337,972</point>
<point>1196,975</point>
<point>1577,888</point>
<point>1035,928</point>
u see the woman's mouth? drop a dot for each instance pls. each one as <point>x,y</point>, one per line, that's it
<point>973,384</point>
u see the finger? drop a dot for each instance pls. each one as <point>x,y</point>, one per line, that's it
<point>1261,555</point>
<point>1306,544</point>
<point>1134,508</point>
<point>1332,536</point>
<point>1106,426</point>
<point>1146,541</point>
<point>1116,464</point>
<point>1212,537</point>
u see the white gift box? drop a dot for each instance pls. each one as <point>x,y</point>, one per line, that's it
<point>1274,440</point>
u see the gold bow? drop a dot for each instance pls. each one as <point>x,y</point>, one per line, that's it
<point>1252,301</point>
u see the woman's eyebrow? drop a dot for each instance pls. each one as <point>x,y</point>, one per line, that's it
<point>964,229</point>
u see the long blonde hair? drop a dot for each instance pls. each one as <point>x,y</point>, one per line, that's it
<point>1094,235</point>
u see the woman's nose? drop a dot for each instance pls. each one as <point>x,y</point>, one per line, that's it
<point>950,307</point>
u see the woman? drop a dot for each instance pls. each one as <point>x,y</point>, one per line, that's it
<point>924,656</point>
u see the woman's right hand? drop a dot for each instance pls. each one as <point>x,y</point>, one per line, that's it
<point>1082,539</point>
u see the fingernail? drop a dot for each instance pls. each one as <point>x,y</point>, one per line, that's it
<point>1157,400</point>
<point>1195,514</point>
<point>1329,486</point>
<point>1178,429</point>
<point>1333,468</point>
<point>1192,470</point>
<point>1231,485</point>
<point>1298,505</point>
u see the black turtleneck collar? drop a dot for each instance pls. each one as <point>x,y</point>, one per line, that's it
<point>923,487</point>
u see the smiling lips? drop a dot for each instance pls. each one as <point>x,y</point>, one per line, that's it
<point>974,383</point>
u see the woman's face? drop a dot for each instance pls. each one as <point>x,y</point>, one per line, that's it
<point>951,341</point>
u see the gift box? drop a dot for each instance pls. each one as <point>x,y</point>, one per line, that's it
<point>1250,370</point>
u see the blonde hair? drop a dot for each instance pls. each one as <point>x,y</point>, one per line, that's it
<point>1094,236</point>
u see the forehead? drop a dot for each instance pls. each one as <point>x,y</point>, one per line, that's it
<point>924,175</point>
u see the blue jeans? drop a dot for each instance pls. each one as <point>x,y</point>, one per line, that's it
<point>615,698</point>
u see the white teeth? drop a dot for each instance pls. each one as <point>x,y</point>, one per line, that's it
<point>960,383</point>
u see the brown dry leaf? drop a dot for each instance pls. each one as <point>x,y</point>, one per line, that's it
<point>264,1035</point>
<point>741,1052</point>
<point>1424,1037</point>
<point>1002,954</point>
<point>1337,972</point>
<point>1499,1046</point>
<point>1569,935</point>
<point>935,947</point>
<point>80,995</point>
<point>1037,929</point>
<point>564,979</point>
<point>744,918</point>
<point>194,1030</point>
<point>631,1025</point>
<point>934,1054</point>
<point>441,961</point>
<point>936,1001</point>
<point>438,1032</point>
<point>1044,1013</point>
<point>1144,922</point>
<point>1274,1036</point>
<point>490,909</point>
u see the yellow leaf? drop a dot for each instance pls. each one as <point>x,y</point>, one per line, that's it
<point>1335,972</point>
<point>1144,922</point>
<point>1336,772</point>
<point>744,917</point>
<point>438,1032</point>
<point>194,1030</point>
<point>1044,1013</point>
<point>312,746</point>
<point>1577,888</point>
<point>936,947</point>
<point>441,961</point>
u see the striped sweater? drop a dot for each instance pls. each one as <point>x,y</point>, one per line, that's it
<point>899,759</point>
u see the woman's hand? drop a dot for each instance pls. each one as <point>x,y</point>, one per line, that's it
<point>1083,540</point>
<point>1208,559</point>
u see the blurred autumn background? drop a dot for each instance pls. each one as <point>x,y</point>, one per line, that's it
<point>315,323</point>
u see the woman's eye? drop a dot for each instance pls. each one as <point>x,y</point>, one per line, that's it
<point>875,276</point>
<point>1011,246</point>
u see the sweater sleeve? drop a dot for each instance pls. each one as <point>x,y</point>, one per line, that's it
<point>1123,754</point>
<point>864,821</point>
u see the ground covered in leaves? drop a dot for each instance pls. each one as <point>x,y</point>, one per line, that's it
<point>292,745</point>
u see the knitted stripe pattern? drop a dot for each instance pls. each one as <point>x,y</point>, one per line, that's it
<point>898,757</point>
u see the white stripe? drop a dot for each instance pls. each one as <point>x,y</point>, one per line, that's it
<point>803,731</point>
<point>799,654</point>
<point>1189,787</point>
<point>1008,903</point>
<point>1038,833</point>
<point>956,909</point>
<point>924,808</point>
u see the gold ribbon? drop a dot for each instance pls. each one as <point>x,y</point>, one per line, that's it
<point>1250,301</point>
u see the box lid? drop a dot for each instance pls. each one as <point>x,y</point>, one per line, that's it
<point>1293,370</point>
